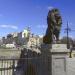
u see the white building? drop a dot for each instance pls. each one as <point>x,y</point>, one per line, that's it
<point>23,36</point>
<point>15,34</point>
<point>1,41</point>
<point>34,41</point>
<point>25,33</point>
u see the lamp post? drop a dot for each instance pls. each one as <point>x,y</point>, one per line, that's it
<point>67,30</point>
<point>67,36</point>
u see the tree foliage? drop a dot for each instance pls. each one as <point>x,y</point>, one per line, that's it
<point>64,40</point>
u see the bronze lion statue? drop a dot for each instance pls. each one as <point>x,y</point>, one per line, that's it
<point>54,22</point>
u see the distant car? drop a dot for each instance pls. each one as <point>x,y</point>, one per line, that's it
<point>10,46</point>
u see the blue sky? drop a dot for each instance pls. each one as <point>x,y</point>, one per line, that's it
<point>15,15</point>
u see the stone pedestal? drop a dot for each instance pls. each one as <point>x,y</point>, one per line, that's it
<point>59,53</point>
<point>54,59</point>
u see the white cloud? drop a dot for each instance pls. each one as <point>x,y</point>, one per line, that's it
<point>9,26</point>
<point>41,36</point>
<point>50,7</point>
<point>41,26</point>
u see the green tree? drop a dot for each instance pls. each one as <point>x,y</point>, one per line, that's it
<point>17,41</point>
<point>64,40</point>
<point>9,38</point>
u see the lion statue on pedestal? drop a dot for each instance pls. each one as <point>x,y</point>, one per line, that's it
<point>54,22</point>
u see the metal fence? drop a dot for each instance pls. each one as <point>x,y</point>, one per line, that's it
<point>29,63</point>
<point>23,66</point>
<point>7,66</point>
<point>10,66</point>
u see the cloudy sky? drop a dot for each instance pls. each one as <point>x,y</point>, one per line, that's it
<point>15,15</point>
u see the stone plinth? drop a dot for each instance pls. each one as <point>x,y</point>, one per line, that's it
<point>59,48</point>
<point>54,59</point>
<point>59,53</point>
